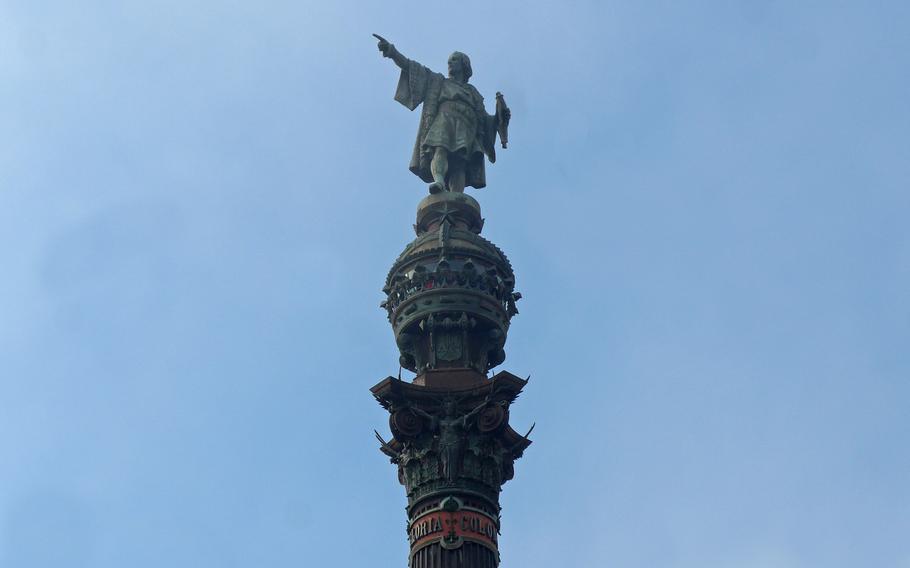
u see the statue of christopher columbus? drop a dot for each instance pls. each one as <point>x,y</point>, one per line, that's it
<point>455,130</point>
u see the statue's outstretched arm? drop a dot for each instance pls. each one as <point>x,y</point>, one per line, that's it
<point>422,413</point>
<point>476,411</point>
<point>388,50</point>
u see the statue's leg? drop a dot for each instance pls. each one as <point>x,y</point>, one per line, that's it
<point>439,167</point>
<point>457,169</point>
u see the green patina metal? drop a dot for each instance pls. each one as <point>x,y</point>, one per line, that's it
<point>450,299</point>
<point>450,295</point>
<point>455,131</point>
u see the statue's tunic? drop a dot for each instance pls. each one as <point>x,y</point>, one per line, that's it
<point>453,118</point>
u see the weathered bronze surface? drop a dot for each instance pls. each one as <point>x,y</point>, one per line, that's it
<point>450,298</point>
<point>455,130</point>
<point>453,447</point>
<point>450,294</point>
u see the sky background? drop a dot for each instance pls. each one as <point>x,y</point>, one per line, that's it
<point>706,204</point>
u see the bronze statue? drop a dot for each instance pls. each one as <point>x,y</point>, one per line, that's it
<point>455,130</point>
<point>452,428</point>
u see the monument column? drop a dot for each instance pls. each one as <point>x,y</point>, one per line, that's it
<point>450,298</point>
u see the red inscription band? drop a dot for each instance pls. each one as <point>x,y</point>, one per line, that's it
<point>453,528</point>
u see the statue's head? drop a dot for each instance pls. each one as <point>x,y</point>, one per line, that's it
<point>460,66</point>
<point>449,407</point>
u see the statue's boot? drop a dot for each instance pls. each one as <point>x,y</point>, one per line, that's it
<point>437,186</point>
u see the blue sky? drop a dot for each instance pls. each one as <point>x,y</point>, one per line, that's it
<point>705,203</point>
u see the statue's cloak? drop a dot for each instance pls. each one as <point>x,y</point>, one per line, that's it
<point>419,84</point>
